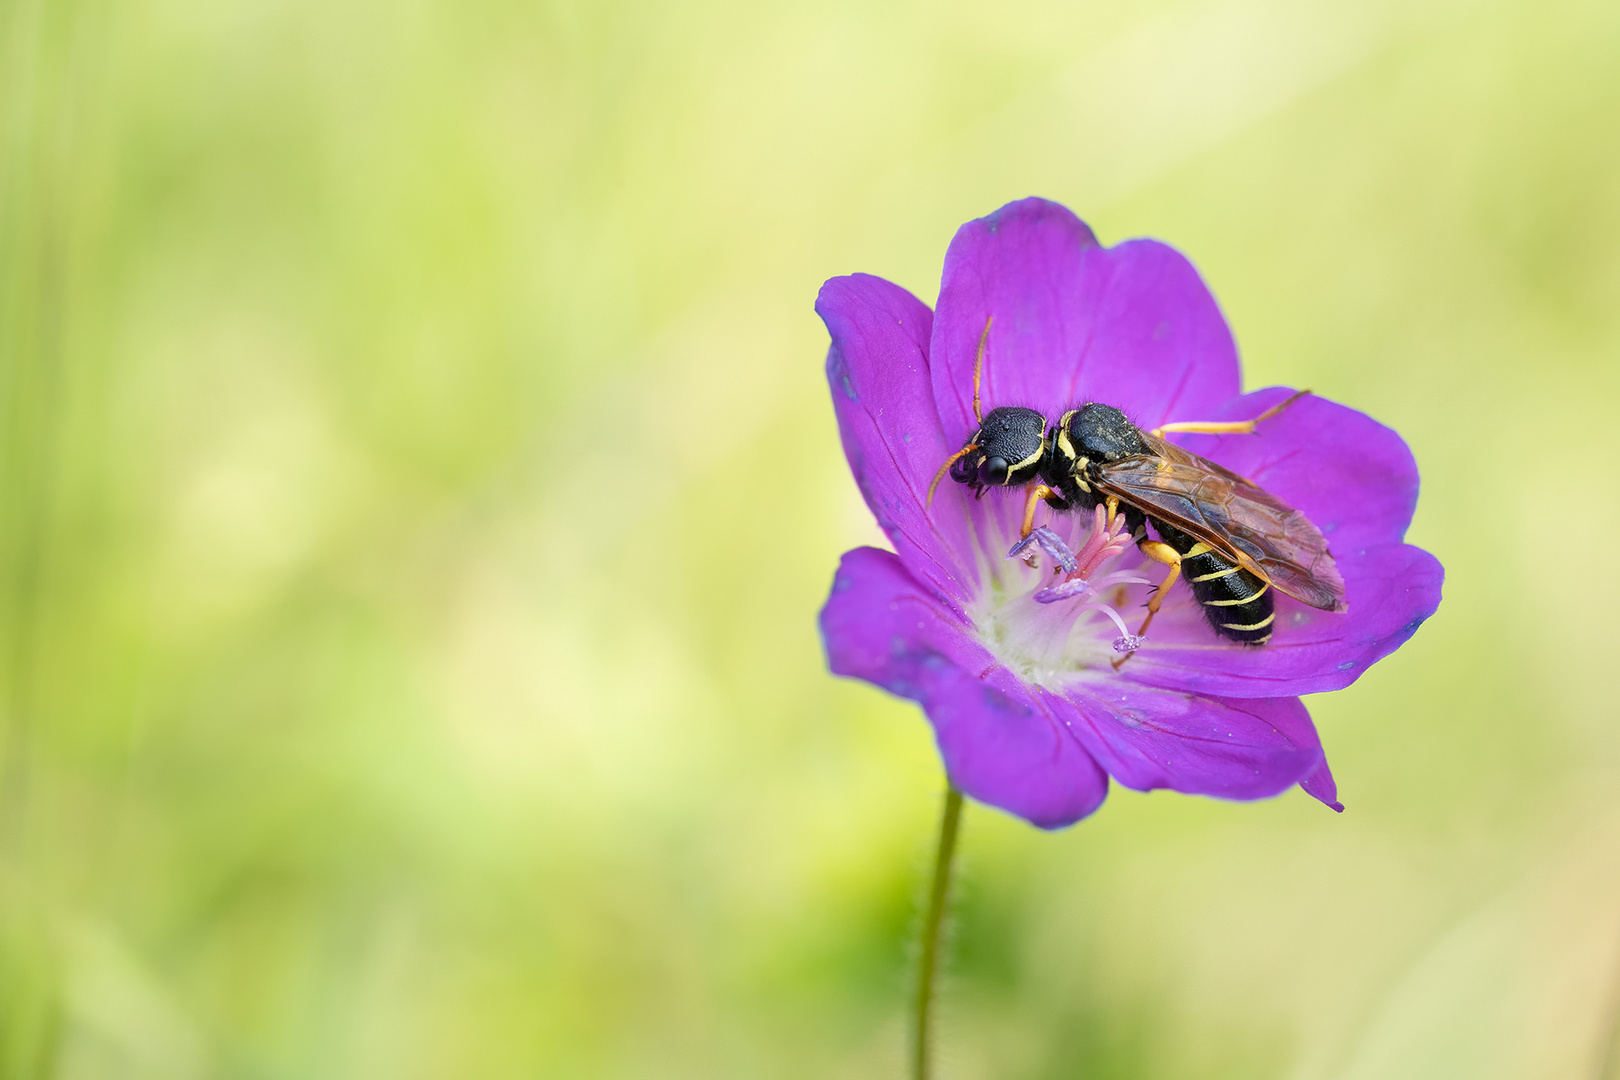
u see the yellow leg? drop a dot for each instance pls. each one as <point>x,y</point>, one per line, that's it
<point>1036,494</point>
<point>1161,553</point>
<point>1226,427</point>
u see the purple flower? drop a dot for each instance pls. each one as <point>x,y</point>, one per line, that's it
<point>1028,710</point>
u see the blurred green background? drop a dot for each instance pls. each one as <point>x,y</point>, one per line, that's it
<point>417,487</point>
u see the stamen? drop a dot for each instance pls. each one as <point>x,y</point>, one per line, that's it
<point>1051,543</point>
<point>1040,640</point>
<point>1108,538</point>
<point>1074,586</point>
<point>1110,612</point>
<point>1066,591</point>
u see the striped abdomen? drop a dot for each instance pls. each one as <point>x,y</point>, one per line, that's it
<point>1237,604</point>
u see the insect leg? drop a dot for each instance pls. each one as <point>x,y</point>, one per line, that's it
<point>1161,553</point>
<point>1226,427</point>
<point>1036,494</point>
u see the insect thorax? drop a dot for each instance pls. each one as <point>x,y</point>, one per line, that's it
<point>1102,433</point>
<point>1084,439</point>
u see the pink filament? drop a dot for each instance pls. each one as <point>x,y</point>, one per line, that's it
<point>1108,538</point>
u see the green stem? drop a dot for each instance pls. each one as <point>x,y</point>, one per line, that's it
<point>933,925</point>
<point>1609,1066</point>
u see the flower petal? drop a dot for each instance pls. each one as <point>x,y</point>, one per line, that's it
<point>1150,738</point>
<point>1132,325</point>
<point>877,368</point>
<point>1000,745</point>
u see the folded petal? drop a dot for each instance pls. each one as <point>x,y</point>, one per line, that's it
<point>1151,738</point>
<point>1000,745</point>
<point>877,368</point>
<point>1391,589</point>
<point>1132,325</point>
<point>1352,476</point>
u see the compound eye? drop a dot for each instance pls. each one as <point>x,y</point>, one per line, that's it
<point>995,470</point>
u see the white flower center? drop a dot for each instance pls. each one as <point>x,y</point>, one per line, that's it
<point>1047,625</point>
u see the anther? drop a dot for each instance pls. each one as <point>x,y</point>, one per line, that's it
<point>1050,543</point>
<point>1067,590</point>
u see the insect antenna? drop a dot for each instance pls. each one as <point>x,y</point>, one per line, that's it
<point>978,367</point>
<point>952,460</point>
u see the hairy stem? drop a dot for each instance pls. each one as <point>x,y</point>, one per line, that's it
<point>932,928</point>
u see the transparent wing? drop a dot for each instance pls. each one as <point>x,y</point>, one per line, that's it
<point>1231,514</point>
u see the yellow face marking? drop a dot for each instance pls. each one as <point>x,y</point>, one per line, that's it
<point>1216,574</point>
<point>1261,625</point>
<point>1234,603</point>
